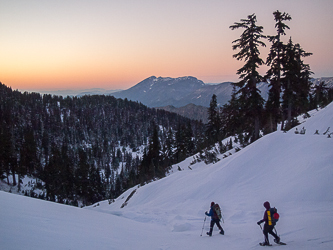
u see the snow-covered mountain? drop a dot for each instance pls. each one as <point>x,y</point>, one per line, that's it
<point>177,92</point>
<point>161,91</point>
<point>293,171</point>
<point>327,80</point>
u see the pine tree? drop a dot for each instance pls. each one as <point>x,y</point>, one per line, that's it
<point>214,122</point>
<point>320,95</point>
<point>274,60</point>
<point>250,98</point>
<point>82,176</point>
<point>295,82</point>
<point>231,119</point>
<point>154,154</point>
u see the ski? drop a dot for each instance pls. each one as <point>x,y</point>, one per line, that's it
<point>281,243</point>
<point>264,244</point>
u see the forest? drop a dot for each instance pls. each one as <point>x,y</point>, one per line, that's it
<point>92,147</point>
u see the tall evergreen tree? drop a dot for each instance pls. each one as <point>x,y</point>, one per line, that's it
<point>231,118</point>
<point>82,176</point>
<point>154,153</point>
<point>248,44</point>
<point>320,95</point>
<point>214,122</point>
<point>295,82</point>
<point>274,60</point>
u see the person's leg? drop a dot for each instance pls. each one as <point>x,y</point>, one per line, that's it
<point>212,223</point>
<point>265,231</point>
<point>277,238</point>
<point>219,226</point>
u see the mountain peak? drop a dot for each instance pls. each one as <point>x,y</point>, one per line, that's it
<point>161,91</point>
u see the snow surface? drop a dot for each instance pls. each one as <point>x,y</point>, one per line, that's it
<point>292,171</point>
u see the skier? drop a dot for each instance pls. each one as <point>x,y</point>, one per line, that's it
<point>215,219</point>
<point>268,226</point>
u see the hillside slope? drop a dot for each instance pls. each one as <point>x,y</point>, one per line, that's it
<point>292,171</point>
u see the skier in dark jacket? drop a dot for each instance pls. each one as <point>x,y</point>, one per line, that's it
<point>215,219</point>
<point>268,226</point>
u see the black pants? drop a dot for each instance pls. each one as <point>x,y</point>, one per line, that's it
<point>269,230</point>
<point>212,223</point>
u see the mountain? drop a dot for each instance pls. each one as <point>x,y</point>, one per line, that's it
<point>292,171</point>
<point>327,80</point>
<point>178,92</point>
<point>158,92</point>
<point>76,92</point>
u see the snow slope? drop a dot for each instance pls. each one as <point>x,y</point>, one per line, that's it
<point>292,171</point>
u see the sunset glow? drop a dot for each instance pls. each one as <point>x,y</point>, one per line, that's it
<point>116,44</point>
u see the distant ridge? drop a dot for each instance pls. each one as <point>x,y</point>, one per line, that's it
<point>191,111</point>
<point>179,92</point>
<point>161,91</point>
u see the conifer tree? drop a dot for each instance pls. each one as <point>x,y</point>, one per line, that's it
<point>231,119</point>
<point>214,123</point>
<point>320,95</point>
<point>295,82</point>
<point>248,44</point>
<point>154,153</point>
<point>274,60</point>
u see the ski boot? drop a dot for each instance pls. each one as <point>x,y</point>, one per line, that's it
<point>264,244</point>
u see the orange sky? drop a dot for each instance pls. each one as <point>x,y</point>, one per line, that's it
<point>116,44</point>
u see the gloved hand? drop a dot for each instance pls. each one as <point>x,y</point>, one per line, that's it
<point>259,222</point>
<point>206,213</point>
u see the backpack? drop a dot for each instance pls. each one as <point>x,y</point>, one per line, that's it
<point>217,211</point>
<point>273,216</point>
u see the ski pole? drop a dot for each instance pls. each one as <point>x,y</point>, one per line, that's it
<point>260,227</point>
<point>203,226</point>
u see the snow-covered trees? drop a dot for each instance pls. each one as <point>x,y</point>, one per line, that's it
<point>87,148</point>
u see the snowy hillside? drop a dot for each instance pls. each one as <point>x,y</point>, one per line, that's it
<point>292,171</point>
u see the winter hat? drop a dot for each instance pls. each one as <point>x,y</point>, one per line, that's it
<point>212,204</point>
<point>267,205</point>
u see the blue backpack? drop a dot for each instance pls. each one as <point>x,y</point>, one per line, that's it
<point>273,216</point>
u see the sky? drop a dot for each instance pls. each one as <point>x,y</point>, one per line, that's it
<point>72,44</point>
